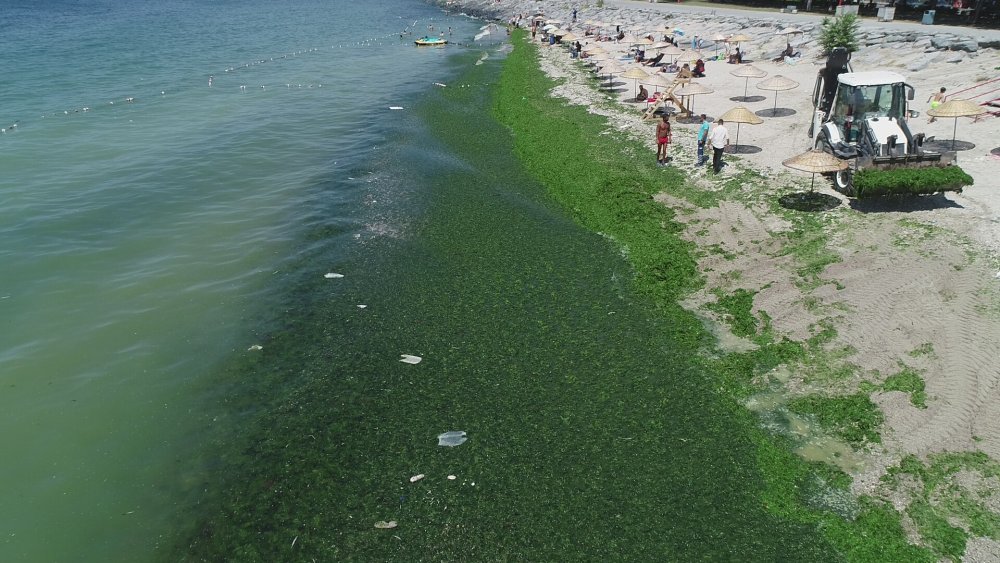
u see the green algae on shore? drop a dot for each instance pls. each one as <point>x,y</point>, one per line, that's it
<point>875,533</point>
<point>595,430</point>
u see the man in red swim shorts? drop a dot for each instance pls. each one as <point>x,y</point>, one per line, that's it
<point>662,139</point>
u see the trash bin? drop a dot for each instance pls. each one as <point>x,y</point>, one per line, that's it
<point>928,17</point>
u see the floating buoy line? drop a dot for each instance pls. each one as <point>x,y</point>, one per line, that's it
<point>212,79</point>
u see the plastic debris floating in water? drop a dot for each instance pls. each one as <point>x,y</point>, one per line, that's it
<point>452,438</point>
<point>452,477</point>
<point>362,306</point>
<point>383,525</point>
<point>395,107</point>
<point>256,347</point>
<point>441,85</point>
<point>332,276</point>
<point>408,359</point>
<point>416,478</point>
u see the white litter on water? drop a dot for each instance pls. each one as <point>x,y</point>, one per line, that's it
<point>383,525</point>
<point>452,438</point>
<point>362,306</point>
<point>416,478</point>
<point>255,347</point>
<point>395,107</point>
<point>452,477</point>
<point>441,85</point>
<point>333,276</point>
<point>408,359</point>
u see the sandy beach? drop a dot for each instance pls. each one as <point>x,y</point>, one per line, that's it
<point>913,285</point>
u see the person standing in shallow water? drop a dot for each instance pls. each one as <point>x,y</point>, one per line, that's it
<point>662,139</point>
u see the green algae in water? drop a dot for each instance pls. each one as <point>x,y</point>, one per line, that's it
<point>589,433</point>
<point>593,431</point>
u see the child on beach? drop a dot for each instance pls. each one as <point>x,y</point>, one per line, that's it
<point>662,140</point>
<point>936,100</point>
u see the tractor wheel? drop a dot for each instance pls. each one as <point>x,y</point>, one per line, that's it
<point>844,182</point>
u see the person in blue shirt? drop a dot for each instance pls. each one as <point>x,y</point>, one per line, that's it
<point>702,138</point>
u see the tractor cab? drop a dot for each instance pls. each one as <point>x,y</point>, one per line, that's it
<point>876,98</point>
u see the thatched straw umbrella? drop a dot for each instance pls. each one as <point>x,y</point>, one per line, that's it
<point>672,52</point>
<point>657,80</point>
<point>815,161</point>
<point>747,71</point>
<point>636,74</point>
<point>740,115</point>
<point>693,89</point>
<point>610,68</point>
<point>777,83</point>
<point>956,109</point>
<point>740,38</point>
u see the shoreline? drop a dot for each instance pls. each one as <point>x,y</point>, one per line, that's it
<point>902,295</point>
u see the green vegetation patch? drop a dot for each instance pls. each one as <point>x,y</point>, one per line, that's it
<point>737,310</point>
<point>908,380</point>
<point>910,181</point>
<point>954,493</point>
<point>854,418</point>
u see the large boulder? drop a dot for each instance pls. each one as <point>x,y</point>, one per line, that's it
<point>968,45</point>
<point>942,41</point>
<point>920,63</point>
<point>956,57</point>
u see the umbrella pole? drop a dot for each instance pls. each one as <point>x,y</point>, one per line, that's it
<point>745,86</point>
<point>954,130</point>
<point>736,149</point>
<point>774,110</point>
<point>813,183</point>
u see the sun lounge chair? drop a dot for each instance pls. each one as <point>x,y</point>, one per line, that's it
<point>654,61</point>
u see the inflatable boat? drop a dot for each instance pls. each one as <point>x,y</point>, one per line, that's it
<point>427,40</point>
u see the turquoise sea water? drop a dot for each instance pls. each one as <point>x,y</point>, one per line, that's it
<point>151,225</point>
